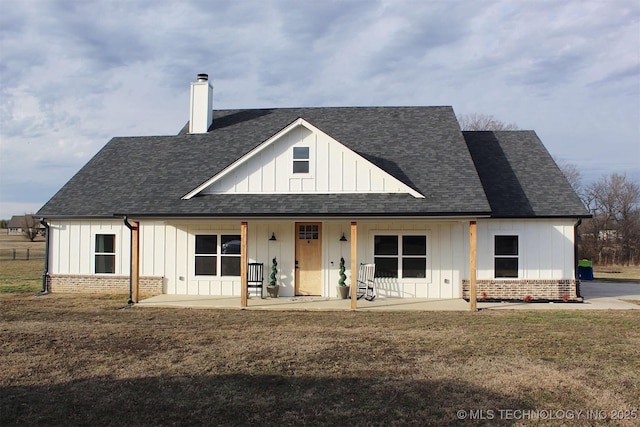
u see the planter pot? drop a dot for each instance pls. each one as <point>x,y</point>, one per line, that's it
<point>273,291</point>
<point>343,291</point>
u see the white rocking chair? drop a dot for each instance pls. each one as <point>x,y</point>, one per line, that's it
<point>366,282</point>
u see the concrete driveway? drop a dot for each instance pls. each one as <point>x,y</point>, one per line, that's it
<point>611,294</point>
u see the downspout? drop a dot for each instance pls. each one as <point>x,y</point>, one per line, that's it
<point>130,227</point>
<point>575,256</point>
<point>45,273</point>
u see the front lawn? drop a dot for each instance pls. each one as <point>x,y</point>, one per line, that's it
<point>80,360</point>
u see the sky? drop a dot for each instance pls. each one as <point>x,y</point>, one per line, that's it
<point>74,74</point>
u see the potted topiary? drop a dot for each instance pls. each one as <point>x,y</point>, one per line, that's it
<point>273,287</point>
<point>343,289</point>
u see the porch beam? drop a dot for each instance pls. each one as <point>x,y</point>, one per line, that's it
<point>243,264</point>
<point>354,265</point>
<point>473,253</point>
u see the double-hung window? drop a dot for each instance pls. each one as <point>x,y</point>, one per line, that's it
<point>400,256</point>
<point>506,256</point>
<point>217,255</point>
<point>206,255</point>
<point>300,159</point>
<point>105,254</point>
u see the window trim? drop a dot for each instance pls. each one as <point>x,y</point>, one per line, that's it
<point>95,253</point>
<point>400,234</point>
<point>518,256</point>
<point>215,255</point>
<point>307,159</point>
<point>218,255</point>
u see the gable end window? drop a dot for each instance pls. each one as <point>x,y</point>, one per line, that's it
<point>105,254</point>
<point>300,159</point>
<point>506,256</point>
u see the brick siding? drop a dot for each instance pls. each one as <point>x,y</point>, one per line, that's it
<point>527,290</point>
<point>72,283</point>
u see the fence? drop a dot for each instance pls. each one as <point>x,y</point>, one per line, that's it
<point>21,254</point>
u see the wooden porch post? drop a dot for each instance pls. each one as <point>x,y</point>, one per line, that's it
<point>243,264</point>
<point>354,265</point>
<point>473,252</point>
<point>135,262</point>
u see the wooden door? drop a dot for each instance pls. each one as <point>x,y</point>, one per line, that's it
<point>308,258</point>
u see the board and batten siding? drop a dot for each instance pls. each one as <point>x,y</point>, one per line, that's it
<point>546,251</point>
<point>546,247</point>
<point>333,168</point>
<point>72,248</point>
<point>447,257</point>
<point>172,256</point>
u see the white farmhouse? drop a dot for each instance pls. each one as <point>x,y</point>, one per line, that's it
<point>437,210</point>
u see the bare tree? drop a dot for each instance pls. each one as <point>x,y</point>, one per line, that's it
<point>572,174</point>
<point>483,122</point>
<point>612,236</point>
<point>30,227</point>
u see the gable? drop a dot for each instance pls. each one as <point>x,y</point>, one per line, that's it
<point>422,147</point>
<point>302,159</point>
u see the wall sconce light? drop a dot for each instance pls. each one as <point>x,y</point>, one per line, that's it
<point>343,239</point>
<point>273,237</point>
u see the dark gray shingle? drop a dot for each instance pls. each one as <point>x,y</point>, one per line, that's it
<point>421,146</point>
<point>519,176</point>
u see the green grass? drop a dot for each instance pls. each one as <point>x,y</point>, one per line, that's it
<point>21,276</point>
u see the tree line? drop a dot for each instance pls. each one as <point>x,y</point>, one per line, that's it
<point>612,235</point>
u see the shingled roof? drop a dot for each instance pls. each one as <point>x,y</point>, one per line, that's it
<point>421,146</point>
<point>519,176</point>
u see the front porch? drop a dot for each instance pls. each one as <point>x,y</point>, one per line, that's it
<point>304,303</point>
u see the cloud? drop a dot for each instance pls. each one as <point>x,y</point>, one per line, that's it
<point>68,84</point>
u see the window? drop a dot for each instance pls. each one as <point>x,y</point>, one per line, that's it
<point>300,159</point>
<point>206,255</point>
<point>308,232</point>
<point>506,256</point>
<point>230,258</point>
<point>105,254</point>
<point>211,259</point>
<point>406,260</point>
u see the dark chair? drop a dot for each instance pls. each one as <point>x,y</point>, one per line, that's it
<point>366,282</point>
<point>255,278</point>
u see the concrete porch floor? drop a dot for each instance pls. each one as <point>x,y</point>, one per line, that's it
<point>597,296</point>
<point>304,303</point>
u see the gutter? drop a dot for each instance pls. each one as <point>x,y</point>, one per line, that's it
<point>131,228</point>
<point>45,273</point>
<point>575,256</point>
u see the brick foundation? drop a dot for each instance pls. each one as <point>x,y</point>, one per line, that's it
<point>524,290</point>
<point>73,283</point>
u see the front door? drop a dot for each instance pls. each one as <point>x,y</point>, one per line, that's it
<point>308,258</point>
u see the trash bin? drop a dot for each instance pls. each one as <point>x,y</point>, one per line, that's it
<point>585,269</point>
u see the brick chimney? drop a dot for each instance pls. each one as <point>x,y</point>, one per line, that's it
<point>200,113</point>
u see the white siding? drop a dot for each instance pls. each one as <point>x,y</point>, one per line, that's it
<point>333,168</point>
<point>167,250</point>
<point>445,264</point>
<point>73,244</point>
<point>546,247</point>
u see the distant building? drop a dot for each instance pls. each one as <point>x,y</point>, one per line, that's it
<point>18,223</point>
